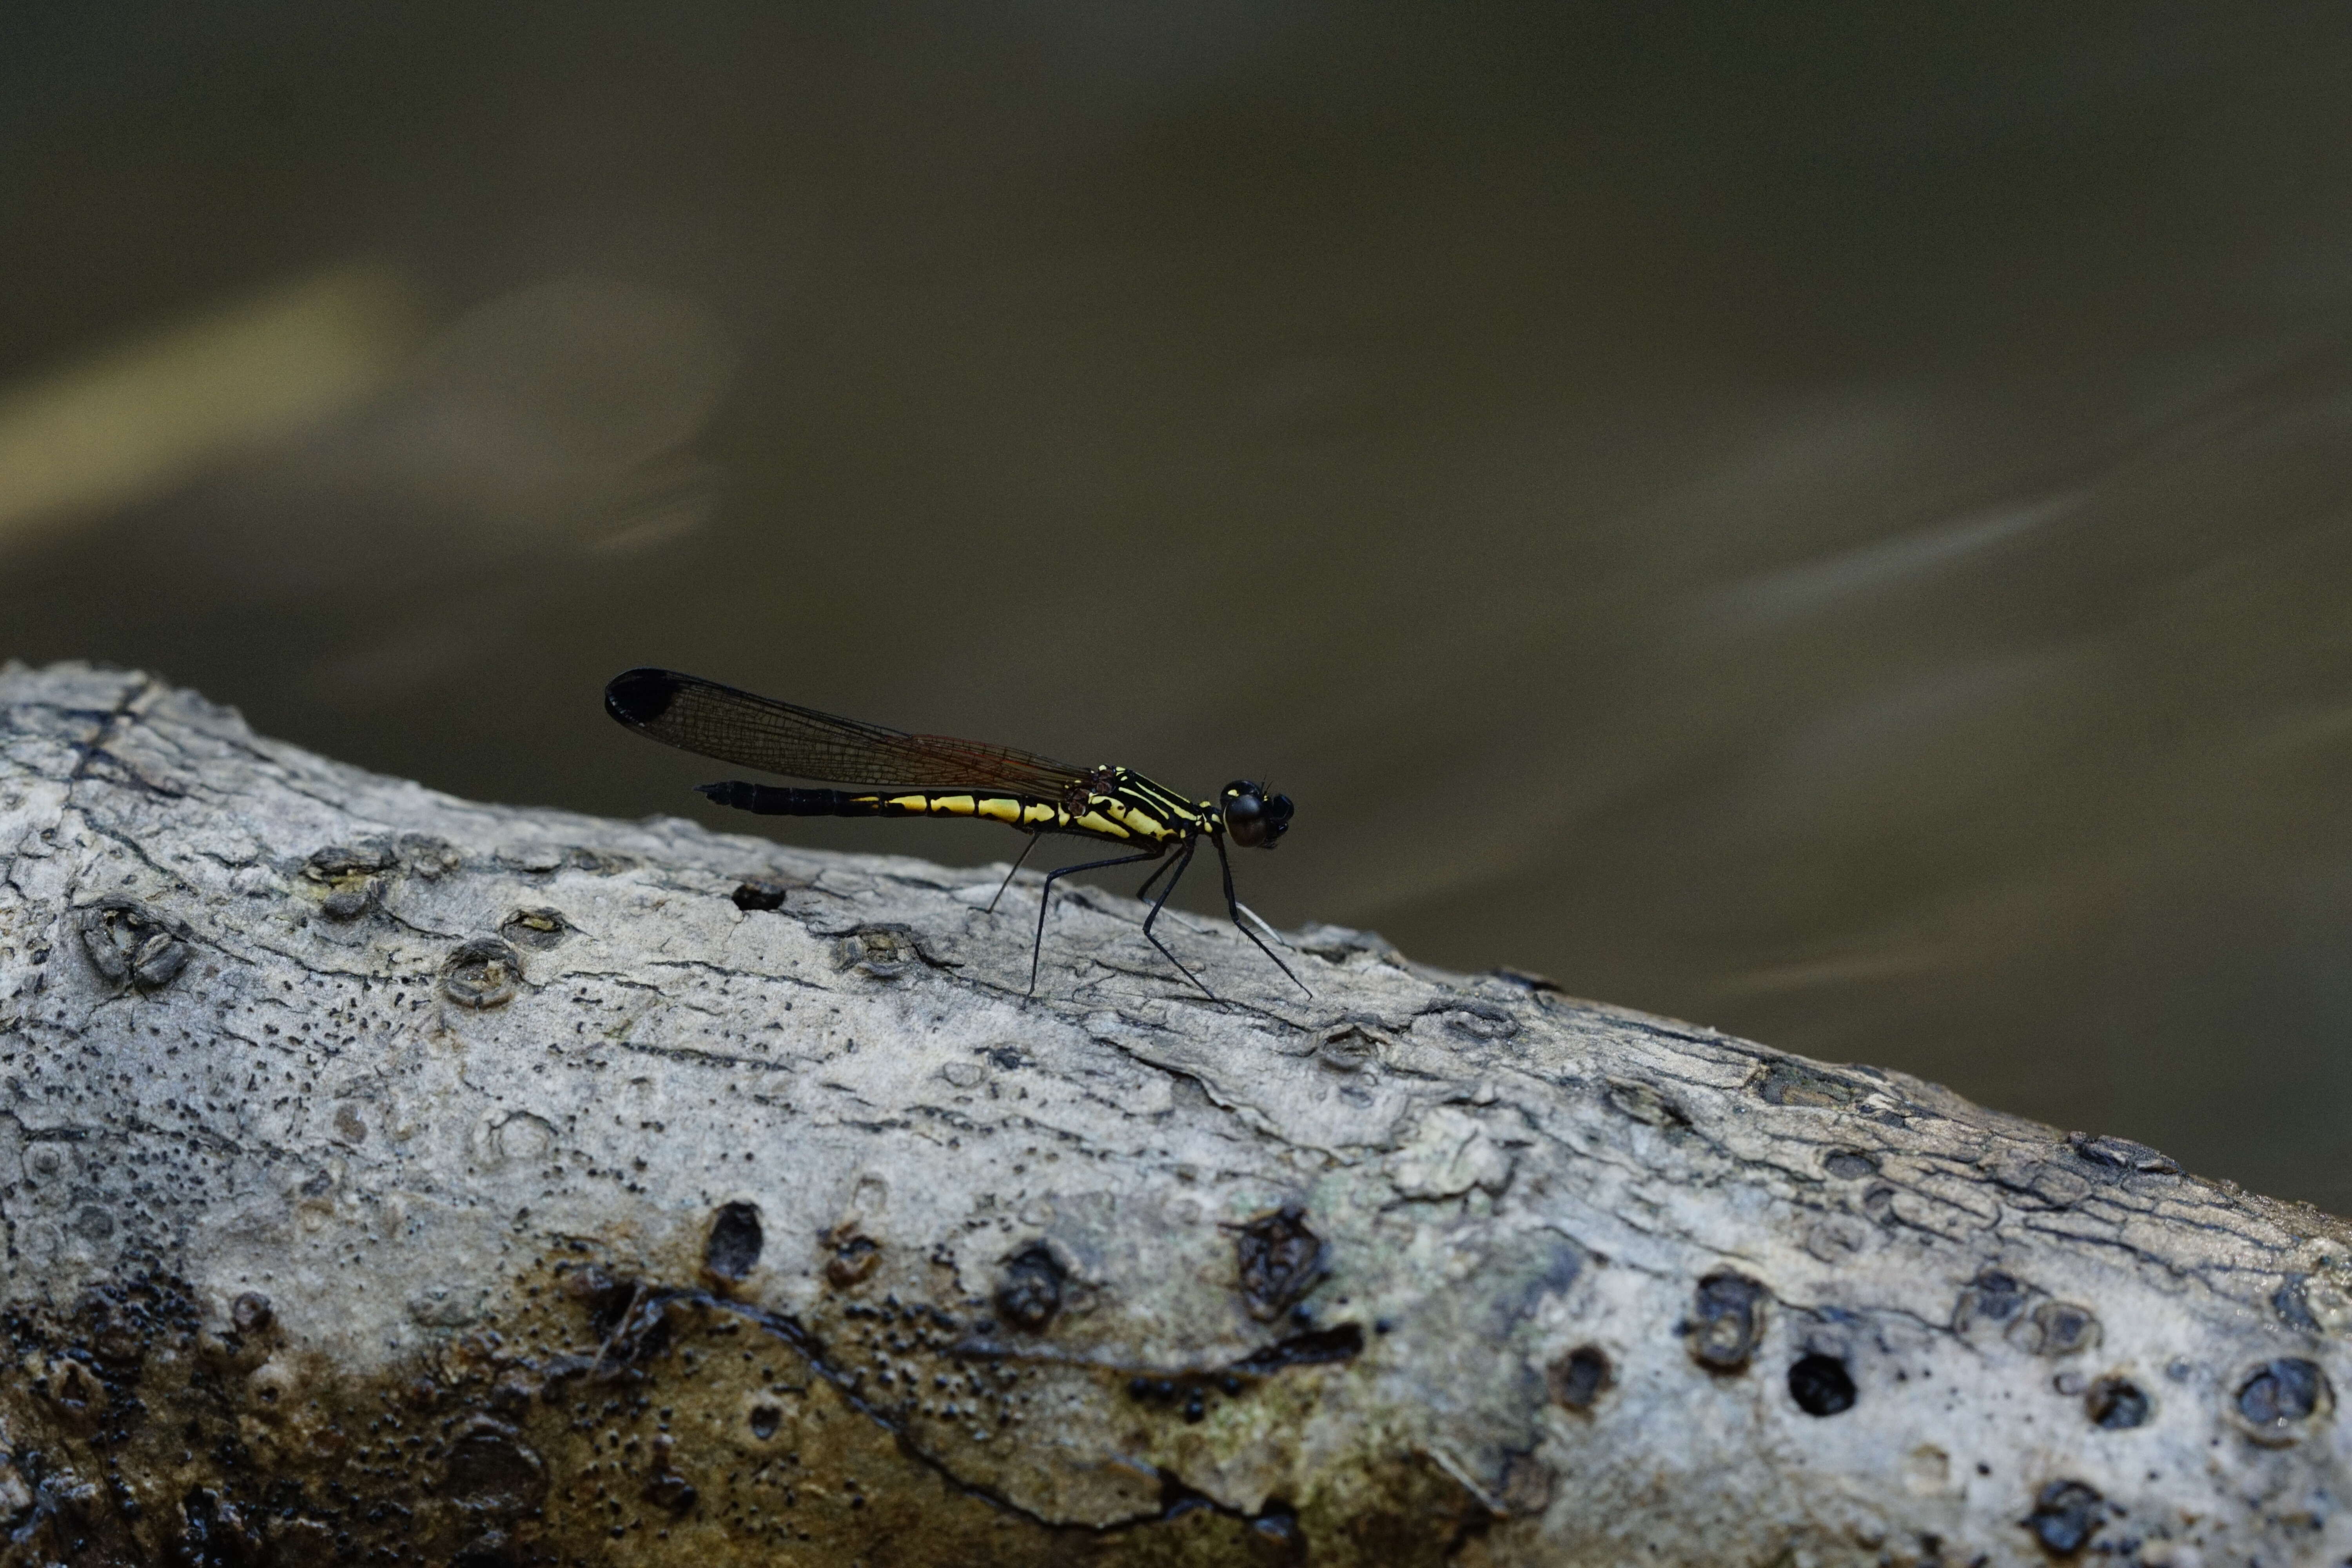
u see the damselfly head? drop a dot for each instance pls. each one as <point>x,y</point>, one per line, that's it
<point>1254,818</point>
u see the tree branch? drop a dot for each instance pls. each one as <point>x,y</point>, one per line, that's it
<point>385,1170</point>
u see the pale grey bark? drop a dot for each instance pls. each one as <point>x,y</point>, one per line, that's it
<point>491,1184</point>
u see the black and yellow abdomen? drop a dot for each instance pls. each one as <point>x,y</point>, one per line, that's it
<point>1123,817</point>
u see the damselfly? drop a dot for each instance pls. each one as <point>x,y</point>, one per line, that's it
<point>897,774</point>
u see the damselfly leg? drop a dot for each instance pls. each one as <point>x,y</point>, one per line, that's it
<point>1009,870</point>
<point>1157,871</point>
<point>1234,906</point>
<point>1045,899</point>
<point>1183,858</point>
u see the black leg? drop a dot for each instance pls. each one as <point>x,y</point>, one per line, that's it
<point>1008,875</point>
<point>1045,898</point>
<point>1234,906</point>
<point>1180,861</point>
<point>1157,872</point>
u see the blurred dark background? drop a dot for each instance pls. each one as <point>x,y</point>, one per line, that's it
<point>1834,520</point>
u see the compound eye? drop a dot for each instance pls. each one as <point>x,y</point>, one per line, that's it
<point>1245,814</point>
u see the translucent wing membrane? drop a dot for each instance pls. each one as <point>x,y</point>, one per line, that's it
<point>715,720</point>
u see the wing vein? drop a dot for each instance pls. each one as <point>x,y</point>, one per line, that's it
<point>742,727</point>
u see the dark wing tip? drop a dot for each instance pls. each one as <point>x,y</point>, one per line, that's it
<point>639,696</point>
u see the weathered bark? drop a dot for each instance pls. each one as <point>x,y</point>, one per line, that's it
<point>385,1170</point>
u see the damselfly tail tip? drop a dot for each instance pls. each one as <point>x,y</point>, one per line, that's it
<point>640,697</point>
<point>734,793</point>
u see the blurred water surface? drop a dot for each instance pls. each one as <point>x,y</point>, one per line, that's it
<point>1830,521</point>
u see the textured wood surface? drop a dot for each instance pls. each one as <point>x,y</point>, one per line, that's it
<point>387,1174</point>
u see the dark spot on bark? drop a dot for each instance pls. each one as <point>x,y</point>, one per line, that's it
<point>2280,1393</point>
<point>598,862</point>
<point>1849,1164</point>
<point>77,1391</point>
<point>339,860</point>
<point>353,876</point>
<point>2121,1155</point>
<point>1006,1057</point>
<point>428,857</point>
<point>2116,1404</point>
<point>1644,1104</point>
<point>491,1469</point>
<point>855,1255</point>
<point>538,929</point>
<point>481,973</point>
<point>93,1224</point>
<point>511,1395</point>
<point>1578,1378</point>
<point>2292,1302</point>
<point>2056,1329</point>
<point>1341,1342</point>
<point>1821,1386</point>
<point>215,1531</point>
<point>1167,1390</point>
<point>2065,1516</point>
<point>1278,1521</point>
<point>251,1313</point>
<point>1991,1297</point>
<point>884,952</point>
<point>1278,1260</point>
<point>158,962</point>
<point>732,1248</point>
<point>671,1490</point>
<point>117,1330</point>
<point>126,940</point>
<point>491,1549</point>
<point>758,893</point>
<point>1474,1020</point>
<point>1177,1500</point>
<point>665,1488</point>
<point>350,903</point>
<point>1797,1083</point>
<point>1031,1291</point>
<point>765,1419</point>
<point>1351,1050</point>
<point>1727,1319</point>
<point>608,1299</point>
